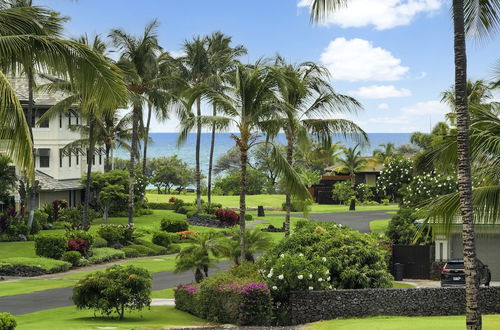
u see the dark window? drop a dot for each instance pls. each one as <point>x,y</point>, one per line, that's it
<point>45,123</point>
<point>60,158</point>
<point>60,121</point>
<point>69,118</point>
<point>77,158</point>
<point>44,156</point>
<point>77,119</point>
<point>100,159</point>
<point>93,159</point>
<point>69,159</point>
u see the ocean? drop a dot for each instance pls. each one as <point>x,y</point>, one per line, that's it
<point>165,144</point>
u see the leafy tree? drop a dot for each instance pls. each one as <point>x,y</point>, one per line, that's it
<point>315,155</point>
<point>229,185</point>
<point>8,178</point>
<point>228,162</point>
<point>388,150</point>
<point>109,196</point>
<point>262,161</point>
<point>169,172</point>
<point>426,187</point>
<point>401,228</point>
<point>397,173</point>
<point>352,162</point>
<point>257,242</point>
<point>364,192</point>
<point>343,191</point>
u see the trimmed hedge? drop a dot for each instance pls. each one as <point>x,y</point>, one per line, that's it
<point>99,242</point>
<point>130,252</point>
<point>158,249</point>
<point>7,321</point>
<point>101,255</point>
<point>162,238</point>
<point>143,251</point>
<point>174,225</point>
<point>22,266</point>
<point>50,246</point>
<point>161,206</point>
<point>73,257</point>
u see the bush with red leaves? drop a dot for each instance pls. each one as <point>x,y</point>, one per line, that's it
<point>227,217</point>
<point>173,200</point>
<point>81,245</point>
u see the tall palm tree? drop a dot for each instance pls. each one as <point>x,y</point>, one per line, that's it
<point>138,60</point>
<point>82,91</point>
<point>222,59</point>
<point>352,162</point>
<point>247,102</point>
<point>388,150</point>
<point>306,98</point>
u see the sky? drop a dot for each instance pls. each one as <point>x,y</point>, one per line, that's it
<point>394,56</point>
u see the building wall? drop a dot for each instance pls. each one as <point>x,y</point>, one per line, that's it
<point>47,197</point>
<point>371,179</point>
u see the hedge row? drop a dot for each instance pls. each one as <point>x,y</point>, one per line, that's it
<point>161,206</point>
<point>22,266</point>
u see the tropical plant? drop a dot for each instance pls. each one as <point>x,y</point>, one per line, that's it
<point>387,151</point>
<point>343,191</point>
<point>8,178</point>
<point>352,163</point>
<point>306,95</point>
<point>256,240</point>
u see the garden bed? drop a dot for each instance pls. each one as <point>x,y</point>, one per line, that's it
<point>196,220</point>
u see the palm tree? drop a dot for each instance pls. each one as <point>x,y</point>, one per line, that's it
<point>29,41</point>
<point>222,59</point>
<point>83,91</point>
<point>199,255</point>
<point>138,60</point>
<point>247,102</point>
<point>256,240</point>
<point>388,150</point>
<point>352,162</point>
<point>306,97</point>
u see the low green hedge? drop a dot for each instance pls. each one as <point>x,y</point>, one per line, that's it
<point>99,242</point>
<point>143,251</point>
<point>161,206</point>
<point>174,225</point>
<point>22,266</point>
<point>130,252</point>
<point>73,257</point>
<point>7,321</point>
<point>51,246</point>
<point>162,238</point>
<point>158,249</point>
<point>101,255</point>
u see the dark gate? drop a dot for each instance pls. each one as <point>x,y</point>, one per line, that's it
<point>417,260</point>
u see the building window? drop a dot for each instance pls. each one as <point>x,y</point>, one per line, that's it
<point>100,159</point>
<point>69,159</point>
<point>44,157</point>
<point>77,119</point>
<point>69,118</point>
<point>93,159</point>
<point>77,158</point>
<point>60,121</point>
<point>45,123</point>
<point>60,158</point>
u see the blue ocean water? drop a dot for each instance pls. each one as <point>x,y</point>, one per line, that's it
<point>165,144</point>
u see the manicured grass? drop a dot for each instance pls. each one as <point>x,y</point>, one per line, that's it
<point>71,318</point>
<point>324,208</point>
<point>379,226</point>
<point>164,294</point>
<point>26,286</point>
<point>17,249</point>
<point>406,323</point>
<point>399,285</point>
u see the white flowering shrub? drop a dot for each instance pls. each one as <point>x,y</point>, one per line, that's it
<point>426,187</point>
<point>364,192</point>
<point>397,173</point>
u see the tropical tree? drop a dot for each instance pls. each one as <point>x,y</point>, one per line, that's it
<point>222,58</point>
<point>352,162</point>
<point>138,60</point>
<point>388,150</point>
<point>256,240</point>
<point>8,178</point>
<point>248,103</point>
<point>306,97</point>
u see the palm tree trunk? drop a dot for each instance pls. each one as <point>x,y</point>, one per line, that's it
<point>288,198</point>
<point>90,155</point>
<point>211,159</point>
<point>32,190</point>
<point>198,142</point>
<point>473,314</point>
<point>135,140</point>
<point>112,158</point>
<point>243,145</point>
<point>107,163</point>
<point>146,138</point>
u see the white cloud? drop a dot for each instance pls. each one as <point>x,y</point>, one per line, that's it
<point>383,106</point>
<point>425,109</point>
<point>176,53</point>
<point>358,60</point>
<point>380,92</point>
<point>382,14</point>
<point>422,75</point>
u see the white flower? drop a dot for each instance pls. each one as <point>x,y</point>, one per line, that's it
<point>320,279</point>
<point>310,275</point>
<point>330,287</point>
<point>275,287</point>
<point>281,277</point>
<point>300,277</point>
<point>327,272</point>
<point>269,275</point>
<point>301,255</point>
<point>311,288</point>
<point>282,255</point>
<point>324,259</point>
<point>328,278</point>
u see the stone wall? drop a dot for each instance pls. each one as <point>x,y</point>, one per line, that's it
<point>311,306</point>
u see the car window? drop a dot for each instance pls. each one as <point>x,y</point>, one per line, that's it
<point>455,265</point>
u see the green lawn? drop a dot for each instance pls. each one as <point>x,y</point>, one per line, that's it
<point>17,249</point>
<point>399,285</point>
<point>406,323</point>
<point>71,318</point>
<point>379,226</point>
<point>26,286</point>
<point>164,294</point>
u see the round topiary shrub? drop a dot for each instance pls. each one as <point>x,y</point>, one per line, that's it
<point>73,257</point>
<point>248,217</point>
<point>174,225</point>
<point>99,242</point>
<point>131,253</point>
<point>162,238</point>
<point>114,290</point>
<point>50,246</point>
<point>7,321</point>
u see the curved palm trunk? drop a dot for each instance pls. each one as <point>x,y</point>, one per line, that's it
<point>107,162</point>
<point>243,145</point>
<point>473,314</point>
<point>288,198</point>
<point>90,155</point>
<point>32,190</point>
<point>198,142</point>
<point>112,155</point>
<point>211,159</point>
<point>146,138</point>
<point>135,140</point>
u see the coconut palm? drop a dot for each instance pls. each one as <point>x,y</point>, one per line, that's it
<point>247,103</point>
<point>352,162</point>
<point>138,60</point>
<point>306,98</point>
<point>256,240</point>
<point>222,58</point>
<point>388,150</point>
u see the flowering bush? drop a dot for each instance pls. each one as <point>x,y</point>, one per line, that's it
<point>188,234</point>
<point>364,192</point>
<point>397,173</point>
<point>113,234</point>
<point>185,299</point>
<point>173,200</point>
<point>227,217</point>
<point>342,191</point>
<point>427,186</point>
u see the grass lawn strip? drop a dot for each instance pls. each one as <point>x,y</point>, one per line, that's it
<point>72,318</point>
<point>12,288</point>
<point>406,323</point>
<point>379,226</point>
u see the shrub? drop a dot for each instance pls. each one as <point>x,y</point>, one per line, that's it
<point>185,298</point>
<point>364,192</point>
<point>185,209</point>
<point>7,321</point>
<point>298,205</point>
<point>143,251</point>
<point>173,200</point>
<point>158,249</point>
<point>397,173</point>
<point>73,257</point>
<point>57,207</point>
<point>173,248</point>
<point>105,254</point>
<point>114,290</point>
<point>401,228</point>
<point>130,252</point>
<point>50,246</point>
<point>426,187</point>
<point>186,235</point>
<point>177,204</point>
<point>227,217</point>
<point>113,234</point>
<point>342,191</point>
<point>162,238</point>
<point>74,217</point>
<point>174,225</point>
<point>22,266</point>
<point>210,209</point>
<point>248,217</point>
<point>99,242</point>
<point>161,206</point>
<point>385,201</point>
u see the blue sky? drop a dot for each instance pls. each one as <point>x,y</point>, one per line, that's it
<point>394,56</point>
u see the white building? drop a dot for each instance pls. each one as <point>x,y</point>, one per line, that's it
<point>59,175</point>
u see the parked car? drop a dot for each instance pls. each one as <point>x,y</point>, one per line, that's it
<point>453,273</point>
